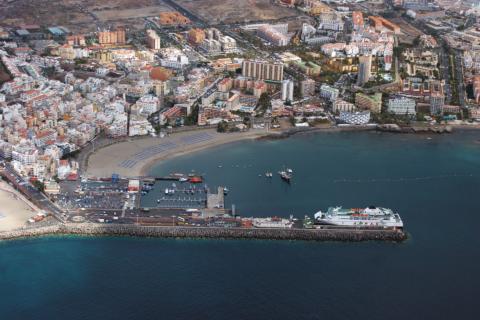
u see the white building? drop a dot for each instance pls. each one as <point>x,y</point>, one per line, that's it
<point>228,44</point>
<point>330,21</point>
<point>153,40</point>
<point>148,104</point>
<point>174,62</point>
<point>329,92</point>
<point>25,154</point>
<point>340,105</point>
<point>402,106</point>
<point>355,117</point>
<point>287,90</point>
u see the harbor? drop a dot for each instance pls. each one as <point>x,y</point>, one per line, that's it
<point>184,206</point>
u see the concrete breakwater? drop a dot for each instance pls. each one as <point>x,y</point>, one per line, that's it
<point>353,235</point>
<point>414,129</point>
<point>298,131</point>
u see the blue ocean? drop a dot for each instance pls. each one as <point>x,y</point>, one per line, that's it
<point>432,181</point>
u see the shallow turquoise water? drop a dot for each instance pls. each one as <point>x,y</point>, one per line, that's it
<point>434,184</point>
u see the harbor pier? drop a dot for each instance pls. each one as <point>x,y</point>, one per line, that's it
<point>93,229</point>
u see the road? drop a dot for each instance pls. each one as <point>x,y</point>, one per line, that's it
<point>32,193</point>
<point>458,54</point>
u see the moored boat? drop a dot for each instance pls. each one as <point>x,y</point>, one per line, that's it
<point>357,217</point>
<point>272,222</point>
<point>285,176</point>
<point>196,179</point>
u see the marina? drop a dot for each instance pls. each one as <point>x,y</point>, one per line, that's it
<point>185,202</point>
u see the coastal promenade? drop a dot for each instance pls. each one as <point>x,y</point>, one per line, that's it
<point>92,229</point>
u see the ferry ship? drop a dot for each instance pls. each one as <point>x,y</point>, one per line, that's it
<point>368,217</point>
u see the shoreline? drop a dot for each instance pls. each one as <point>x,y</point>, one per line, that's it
<point>220,233</point>
<point>147,166</point>
<point>106,164</point>
<point>108,159</point>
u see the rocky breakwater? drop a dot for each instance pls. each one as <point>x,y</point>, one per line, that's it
<point>31,232</point>
<point>211,232</point>
<point>414,129</point>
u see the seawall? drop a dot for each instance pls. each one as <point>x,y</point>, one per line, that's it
<point>353,235</point>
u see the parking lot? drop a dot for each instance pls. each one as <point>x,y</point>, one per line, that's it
<point>79,196</point>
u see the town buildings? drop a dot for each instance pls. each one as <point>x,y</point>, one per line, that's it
<point>114,37</point>
<point>328,92</point>
<point>356,118</point>
<point>364,70</point>
<point>340,105</point>
<point>369,102</point>
<point>402,106</point>
<point>287,90</point>
<point>275,34</point>
<point>262,70</point>
<point>153,40</point>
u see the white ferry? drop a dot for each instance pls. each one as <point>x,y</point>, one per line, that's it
<point>272,222</point>
<point>368,217</point>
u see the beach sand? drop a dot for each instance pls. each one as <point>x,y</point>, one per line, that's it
<point>123,158</point>
<point>132,158</point>
<point>14,210</point>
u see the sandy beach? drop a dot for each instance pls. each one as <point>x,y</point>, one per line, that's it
<point>15,209</point>
<point>134,158</point>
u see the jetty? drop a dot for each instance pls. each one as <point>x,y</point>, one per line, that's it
<point>93,229</point>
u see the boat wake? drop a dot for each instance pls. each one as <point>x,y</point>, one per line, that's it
<point>402,179</point>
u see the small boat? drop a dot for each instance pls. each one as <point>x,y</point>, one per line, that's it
<point>290,171</point>
<point>225,190</point>
<point>158,200</point>
<point>285,176</point>
<point>196,179</point>
<point>176,174</point>
<point>167,191</point>
<point>268,174</point>
<point>183,179</point>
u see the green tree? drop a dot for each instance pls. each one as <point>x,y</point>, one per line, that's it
<point>264,102</point>
<point>192,119</point>
<point>39,185</point>
<point>222,126</point>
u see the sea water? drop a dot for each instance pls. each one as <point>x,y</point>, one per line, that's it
<point>434,184</point>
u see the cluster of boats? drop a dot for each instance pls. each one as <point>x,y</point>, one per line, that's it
<point>191,177</point>
<point>146,188</point>
<point>285,174</point>
<point>191,190</point>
